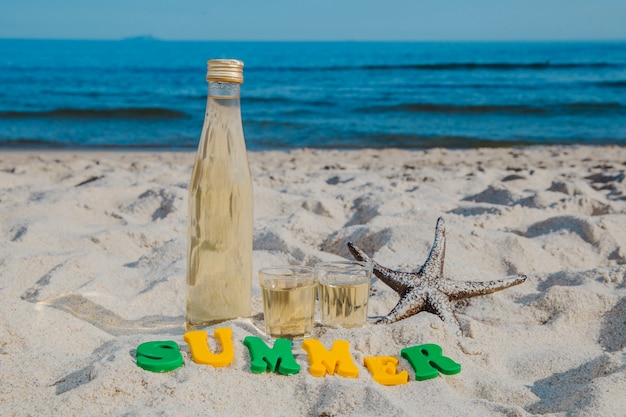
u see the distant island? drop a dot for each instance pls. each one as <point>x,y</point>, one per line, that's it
<point>141,38</point>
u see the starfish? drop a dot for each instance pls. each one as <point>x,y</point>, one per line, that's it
<point>427,289</point>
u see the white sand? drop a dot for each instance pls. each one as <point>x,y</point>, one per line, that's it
<point>88,272</point>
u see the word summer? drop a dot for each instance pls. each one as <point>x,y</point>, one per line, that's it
<point>427,360</point>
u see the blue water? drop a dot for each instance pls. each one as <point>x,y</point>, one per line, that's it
<point>152,94</point>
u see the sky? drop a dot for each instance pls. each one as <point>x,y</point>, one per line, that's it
<point>346,20</point>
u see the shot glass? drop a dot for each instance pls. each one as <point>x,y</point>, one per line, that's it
<point>344,289</point>
<point>288,301</point>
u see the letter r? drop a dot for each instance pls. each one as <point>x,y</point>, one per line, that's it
<point>427,360</point>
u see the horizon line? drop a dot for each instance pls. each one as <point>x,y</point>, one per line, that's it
<point>150,38</point>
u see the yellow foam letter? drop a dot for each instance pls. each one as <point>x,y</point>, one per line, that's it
<point>322,361</point>
<point>383,369</point>
<point>200,353</point>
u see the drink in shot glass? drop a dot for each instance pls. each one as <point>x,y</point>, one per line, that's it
<point>288,301</point>
<point>344,288</point>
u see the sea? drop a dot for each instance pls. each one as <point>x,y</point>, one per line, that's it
<point>151,94</point>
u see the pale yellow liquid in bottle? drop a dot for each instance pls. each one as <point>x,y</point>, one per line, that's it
<point>289,311</point>
<point>344,305</point>
<point>219,261</point>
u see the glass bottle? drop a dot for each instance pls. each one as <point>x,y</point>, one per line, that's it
<point>219,251</point>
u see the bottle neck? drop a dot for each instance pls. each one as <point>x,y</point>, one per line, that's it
<point>224,90</point>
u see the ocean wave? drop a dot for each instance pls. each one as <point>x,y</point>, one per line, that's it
<point>458,142</point>
<point>288,100</point>
<point>455,66</point>
<point>386,140</point>
<point>612,84</point>
<point>84,93</point>
<point>25,143</point>
<point>435,66</point>
<point>547,109</point>
<point>500,66</point>
<point>116,113</point>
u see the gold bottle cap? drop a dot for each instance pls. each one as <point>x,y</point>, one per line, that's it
<point>225,70</point>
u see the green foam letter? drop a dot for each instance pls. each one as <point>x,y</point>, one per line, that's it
<point>427,361</point>
<point>277,359</point>
<point>163,356</point>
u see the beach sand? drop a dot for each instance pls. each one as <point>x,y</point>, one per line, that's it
<point>93,264</point>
